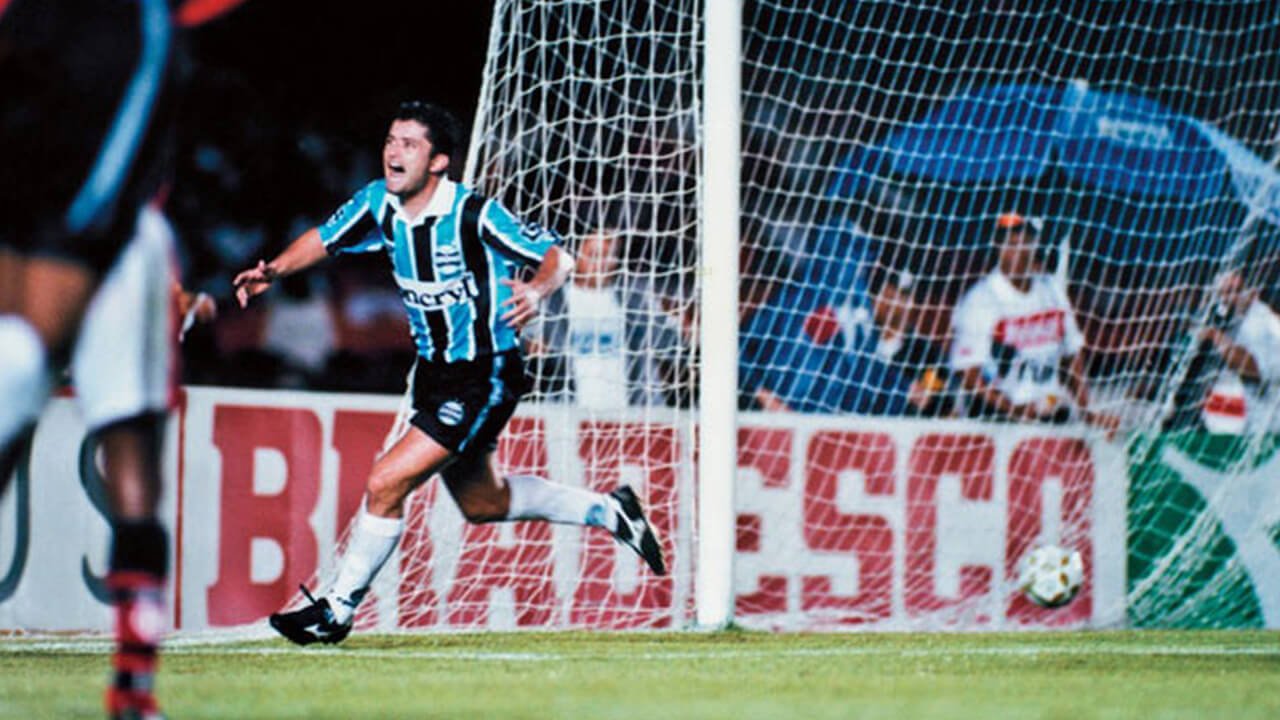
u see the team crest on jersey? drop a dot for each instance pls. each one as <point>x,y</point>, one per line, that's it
<point>448,259</point>
<point>531,231</point>
<point>341,213</point>
<point>450,413</point>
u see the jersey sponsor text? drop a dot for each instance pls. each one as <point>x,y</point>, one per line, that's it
<point>1027,331</point>
<point>438,295</point>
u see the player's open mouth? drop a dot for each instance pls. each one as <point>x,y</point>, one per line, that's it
<point>395,169</point>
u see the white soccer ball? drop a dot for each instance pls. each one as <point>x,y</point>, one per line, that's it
<point>1051,576</point>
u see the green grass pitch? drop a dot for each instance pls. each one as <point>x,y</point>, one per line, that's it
<point>674,676</point>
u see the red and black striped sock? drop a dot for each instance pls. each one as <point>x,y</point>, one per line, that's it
<point>136,580</point>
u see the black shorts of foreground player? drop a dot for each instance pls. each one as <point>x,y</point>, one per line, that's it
<point>455,256</point>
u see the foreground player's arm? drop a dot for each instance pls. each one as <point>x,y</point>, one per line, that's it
<point>193,307</point>
<point>552,272</point>
<point>302,253</point>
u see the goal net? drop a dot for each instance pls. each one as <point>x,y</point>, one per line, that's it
<point>588,125</point>
<point>998,265</point>
<point>886,147</point>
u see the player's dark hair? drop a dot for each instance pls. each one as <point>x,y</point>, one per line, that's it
<point>443,129</point>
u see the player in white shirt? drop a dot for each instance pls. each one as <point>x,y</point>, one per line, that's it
<point>597,326</point>
<point>1015,342</point>
<point>610,342</point>
<point>1251,349</point>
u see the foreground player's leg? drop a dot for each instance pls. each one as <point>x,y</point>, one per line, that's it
<point>136,580</point>
<point>22,362</point>
<point>23,378</point>
<point>138,564</point>
<point>10,456</point>
<point>121,368</point>
<point>49,302</point>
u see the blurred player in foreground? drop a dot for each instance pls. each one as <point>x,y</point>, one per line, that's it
<point>455,256</point>
<point>89,93</point>
<point>83,133</point>
<point>122,370</point>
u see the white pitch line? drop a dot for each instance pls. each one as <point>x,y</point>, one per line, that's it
<point>98,646</point>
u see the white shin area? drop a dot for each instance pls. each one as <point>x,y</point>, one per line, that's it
<point>533,498</point>
<point>372,541</point>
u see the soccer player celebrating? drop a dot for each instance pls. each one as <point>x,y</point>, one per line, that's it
<point>455,256</point>
<point>1014,338</point>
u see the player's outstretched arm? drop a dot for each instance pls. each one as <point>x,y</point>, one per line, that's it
<point>301,254</point>
<point>552,272</point>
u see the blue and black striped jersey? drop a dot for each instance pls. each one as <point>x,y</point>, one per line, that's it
<point>448,262</point>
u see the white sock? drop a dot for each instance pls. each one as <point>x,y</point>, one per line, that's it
<point>372,540</point>
<point>533,498</point>
<point>24,382</point>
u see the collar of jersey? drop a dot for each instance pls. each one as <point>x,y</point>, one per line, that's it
<point>441,203</point>
<point>1005,289</point>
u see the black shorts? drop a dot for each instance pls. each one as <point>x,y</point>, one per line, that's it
<point>465,405</point>
<point>88,94</point>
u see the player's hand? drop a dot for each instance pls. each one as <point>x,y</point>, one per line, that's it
<point>1026,412</point>
<point>253,281</point>
<point>205,307</point>
<point>522,306</point>
<point>769,401</point>
<point>1107,422</point>
<point>1214,336</point>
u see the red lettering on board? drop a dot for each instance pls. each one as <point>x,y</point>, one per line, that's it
<point>1033,462</point>
<point>972,458</point>
<point>238,431</point>
<point>605,448</point>
<point>867,538</point>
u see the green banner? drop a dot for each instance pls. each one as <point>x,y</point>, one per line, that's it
<point>1204,531</point>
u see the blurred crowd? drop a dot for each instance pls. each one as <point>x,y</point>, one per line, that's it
<point>245,184</point>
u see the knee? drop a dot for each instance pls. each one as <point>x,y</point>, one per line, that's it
<point>386,492</point>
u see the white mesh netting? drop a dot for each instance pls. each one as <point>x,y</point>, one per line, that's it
<point>587,124</point>
<point>883,143</point>
<point>911,423</point>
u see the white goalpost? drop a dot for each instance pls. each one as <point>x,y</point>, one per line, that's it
<point>721,233</point>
